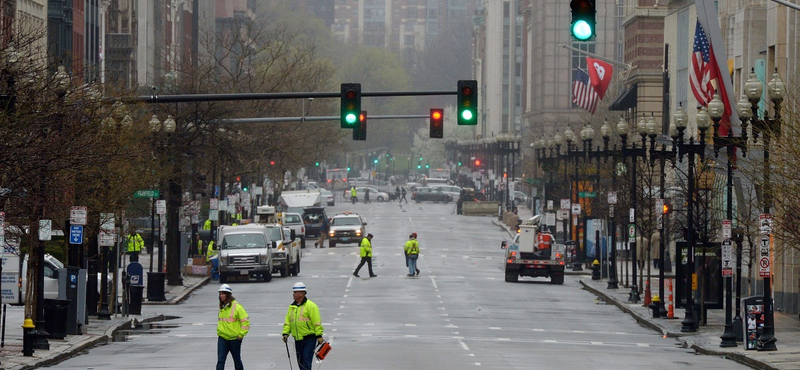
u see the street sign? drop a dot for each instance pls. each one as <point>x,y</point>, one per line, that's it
<point>576,209</point>
<point>764,268</point>
<point>161,207</point>
<point>565,203</point>
<point>611,211</point>
<point>632,217</point>
<point>75,234</point>
<point>765,223</point>
<point>659,214</point>
<point>77,215</point>
<point>612,197</point>
<point>213,203</point>
<point>2,233</point>
<point>631,233</point>
<point>216,191</point>
<point>107,234</point>
<point>550,205</point>
<point>44,230</point>
<point>587,194</point>
<point>550,219</point>
<point>727,231</point>
<point>727,258</point>
<point>562,214</point>
<point>146,193</point>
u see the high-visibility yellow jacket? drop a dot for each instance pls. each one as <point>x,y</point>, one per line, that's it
<point>233,321</point>
<point>366,247</point>
<point>207,225</point>
<point>200,246</point>
<point>135,243</point>
<point>412,246</point>
<point>352,192</point>
<point>303,320</point>
<point>211,251</point>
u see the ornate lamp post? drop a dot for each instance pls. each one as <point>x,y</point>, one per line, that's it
<point>690,148</point>
<point>743,108</point>
<point>613,283</point>
<point>716,108</point>
<point>634,152</point>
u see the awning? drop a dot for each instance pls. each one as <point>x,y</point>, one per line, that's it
<point>627,99</point>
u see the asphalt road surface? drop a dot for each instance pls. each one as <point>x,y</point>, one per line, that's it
<point>458,314</point>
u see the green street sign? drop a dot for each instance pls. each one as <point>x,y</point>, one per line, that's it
<point>587,194</point>
<point>146,193</point>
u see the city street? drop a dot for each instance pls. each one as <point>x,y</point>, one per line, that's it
<point>458,314</point>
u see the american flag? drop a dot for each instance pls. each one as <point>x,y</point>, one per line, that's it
<point>582,92</point>
<point>700,74</point>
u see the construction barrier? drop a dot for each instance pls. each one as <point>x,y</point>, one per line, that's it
<point>670,301</point>
<point>479,208</point>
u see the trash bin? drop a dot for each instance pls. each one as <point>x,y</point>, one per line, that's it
<point>135,293</point>
<point>155,286</point>
<point>55,317</point>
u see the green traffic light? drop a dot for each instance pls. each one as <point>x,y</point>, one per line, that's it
<point>418,166</point>
<point>375,161</point>
<point>316,164</point>
<point>582,30</point>
<point>348,168</point>
<point>350,118</point>
<point>459,163</point>
<point>466,115</point>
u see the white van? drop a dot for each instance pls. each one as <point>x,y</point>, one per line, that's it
<point>244,251</point>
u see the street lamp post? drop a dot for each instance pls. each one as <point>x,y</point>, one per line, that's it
<point>716,108</point>
<point>690,148</point>
<point>662,155</point>
<point>743,108</point>
<point>767,127</point>
<point>605,132</point>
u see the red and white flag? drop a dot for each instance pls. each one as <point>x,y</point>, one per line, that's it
<point>582,92</point>
<point>705,77</point>
<point>600,73</point>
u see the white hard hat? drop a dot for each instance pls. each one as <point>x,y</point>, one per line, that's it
<point>299,287</point>
<point>225,288</point>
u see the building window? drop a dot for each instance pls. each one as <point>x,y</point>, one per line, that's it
<point>412,13</point>
<point>409,40</point>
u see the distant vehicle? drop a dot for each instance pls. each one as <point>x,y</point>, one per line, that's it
<point>533,253</point>
<point>435,195</point>
<point>314,218</point>
<point>520,197</point>
<point>346,228</point>
<point>244,251</point>
<point>439,173</point>
<point>360,181</point>
<point>429,181</point>
<point>374,194</point>
<point>294,221</point>
<point>327,197</point>
<point>411,186</point>
<point>336,175</point>
<point>296,200</point>
<point>453,190</point>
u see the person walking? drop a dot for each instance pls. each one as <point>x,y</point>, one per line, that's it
<point>303,322</point>
<point>232,325</point>
<point>403,195</point>
<point>326,226</point>
<point>412,252</point>
<point>135,244</point>
<point>397,194</point>
<point>353,195</point>
<point>366,255</point>
<point>366,195</point>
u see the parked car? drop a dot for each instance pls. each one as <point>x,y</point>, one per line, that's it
<point>346,228</point>
<point>424,193</point>
<point>374,194</point>
<point>453,190</point>
<point>327,197</point>
<point>520,198</point>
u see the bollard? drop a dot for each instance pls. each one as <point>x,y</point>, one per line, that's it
<point>670,301</point>
<point>27,337</point>
<point>596,270</point>
<point>654,306</point>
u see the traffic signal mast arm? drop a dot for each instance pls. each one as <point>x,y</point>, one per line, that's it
<point>193,98</point>
<point>600,57</point>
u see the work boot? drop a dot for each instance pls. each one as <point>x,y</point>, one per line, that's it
<point>417,272</point>
<point>316,244</point>
<point>356,275</point>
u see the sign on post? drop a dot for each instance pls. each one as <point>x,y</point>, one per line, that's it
<point>77,215</point>
<point>764,263</point>
<point>576,209</point>
<point>659,214</point>
<point>631,233</point>
<point>75,234</point>
<point>612,197</point>
<point>107,235</point>
<point>565,203</point>
<point>765,223</point>
<point>161,207</point>
<point>550,219</point>
<point>44,230</point>
<point>727,230</point>
<point>146,193</point>
<point>727,258</point>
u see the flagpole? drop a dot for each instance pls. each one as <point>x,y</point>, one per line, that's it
<point>593,55</point>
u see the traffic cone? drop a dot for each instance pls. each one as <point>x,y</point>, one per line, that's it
<point>647,293</point>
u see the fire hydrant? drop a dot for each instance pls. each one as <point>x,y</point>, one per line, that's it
<point>596,270</point>
<point>27,337</point>
<point>654,305</point>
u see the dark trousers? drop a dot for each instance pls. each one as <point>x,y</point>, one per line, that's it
<point>402,198</point>
<point>232,346</point>
<point>304,350</point>
<point>368,261</point>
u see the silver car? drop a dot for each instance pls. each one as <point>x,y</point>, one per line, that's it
<point>374,194</point>
<point>328,197</point>
<point>452,190</point>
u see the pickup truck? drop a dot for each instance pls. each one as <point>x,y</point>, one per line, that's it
<point>244,251</point>
<point>294,221</point>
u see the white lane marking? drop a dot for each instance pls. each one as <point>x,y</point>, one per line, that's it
<point>366,335</point>
<point>550,341</point>
<point>495,328</point>
<point>350,281</point>
<point>477,364</point>
<point>460,277</point>
<point>341,306</point>
<point>452,326</point>
<point>433,280</point>
<point>411,336</point>
<point>504,339</point>
<point>490,278</point>
<point>471,355</point>
<point>597,343</point>
<point>369,324</point>
<point>642,345</point>
<point>463,345</point>
<point>344,296</point>
<point>410,324</point>
<point>197,324</point>
<point>343,301</point>
<point>538,329</point>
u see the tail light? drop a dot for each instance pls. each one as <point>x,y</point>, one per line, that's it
<point>303,229</point>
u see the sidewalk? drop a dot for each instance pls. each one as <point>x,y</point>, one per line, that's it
<point>97,332</point>
<point>707,338</point>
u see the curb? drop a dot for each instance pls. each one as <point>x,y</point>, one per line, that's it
<point>181,297</point>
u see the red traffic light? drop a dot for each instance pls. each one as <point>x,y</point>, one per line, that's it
<point>436,114</point>
<point>436,124</point>
<point>477,162</point>
<point>271,163</point>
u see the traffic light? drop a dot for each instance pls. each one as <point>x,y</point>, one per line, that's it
<point>375,161</point>
<point>665,208</point>
<point>360,130</point>
<point>467,102</point>
<point>351,104</point>
<point>316,164</point>
<point>437,123</point>
<point>477,163</point>
<point>584,14</point>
